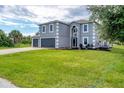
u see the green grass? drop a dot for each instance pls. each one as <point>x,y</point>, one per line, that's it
<point>17,46</point>
<point>65,68</point>
<point>22,45</point>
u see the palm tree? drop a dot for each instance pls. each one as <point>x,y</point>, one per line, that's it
<point>16,36</point>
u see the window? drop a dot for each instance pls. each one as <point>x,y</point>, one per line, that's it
<point>85,28</point>
<point>74,31</point>
<point>43,29</point>
<point>85,40</point>
<point>51,28</point>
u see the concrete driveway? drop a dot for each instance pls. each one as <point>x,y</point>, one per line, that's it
<point>15,50</point>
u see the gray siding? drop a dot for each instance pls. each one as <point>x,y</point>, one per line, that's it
<point>91,33</point>
<point>63,33</point>
<point>64,36</point>
<point>48,34</point>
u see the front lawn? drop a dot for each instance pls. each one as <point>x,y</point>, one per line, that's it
<point>65,68</point>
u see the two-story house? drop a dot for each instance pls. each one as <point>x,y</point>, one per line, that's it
<point>57,34</point>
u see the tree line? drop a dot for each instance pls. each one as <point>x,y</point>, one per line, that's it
<point>13,38</point>
<point>110,19</point>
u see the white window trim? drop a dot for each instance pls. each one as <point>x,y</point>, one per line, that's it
<point>49,28</point>
<point>87,40</point>
<point>45,28</point>
<point>87,28</point>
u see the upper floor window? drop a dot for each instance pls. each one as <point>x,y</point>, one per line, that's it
<point>51,28</point>
<point>85,28</point>
<point>43,29</point>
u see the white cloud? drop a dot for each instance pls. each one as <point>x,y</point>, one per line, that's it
<point>40,14</point>
<point>48,13</point>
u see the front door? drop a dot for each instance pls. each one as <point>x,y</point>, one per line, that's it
<point>74,42</point>
<point>74,39</point>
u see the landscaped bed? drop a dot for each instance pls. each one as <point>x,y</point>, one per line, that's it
<point>65,68</point>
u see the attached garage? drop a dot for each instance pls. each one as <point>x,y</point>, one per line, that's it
<point>35,42</point>
<point>48,42</point>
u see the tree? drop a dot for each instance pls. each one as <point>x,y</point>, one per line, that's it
<point>4,40</point>
<point>111,21</point>
<point>16,36</point>
<point>26,40</point>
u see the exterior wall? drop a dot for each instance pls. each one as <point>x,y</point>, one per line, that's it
<point>39,42</point>
<point>64,36</point>
<point>88,34</point>
<point>60,33</point>
<point>47,34</point>
<point>91,34</point>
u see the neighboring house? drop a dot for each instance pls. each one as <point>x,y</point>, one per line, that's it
<point>57,34</point>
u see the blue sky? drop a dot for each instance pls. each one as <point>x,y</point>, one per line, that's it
<point>26,18</point>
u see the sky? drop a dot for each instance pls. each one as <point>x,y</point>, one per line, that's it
<point>26,18</point>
